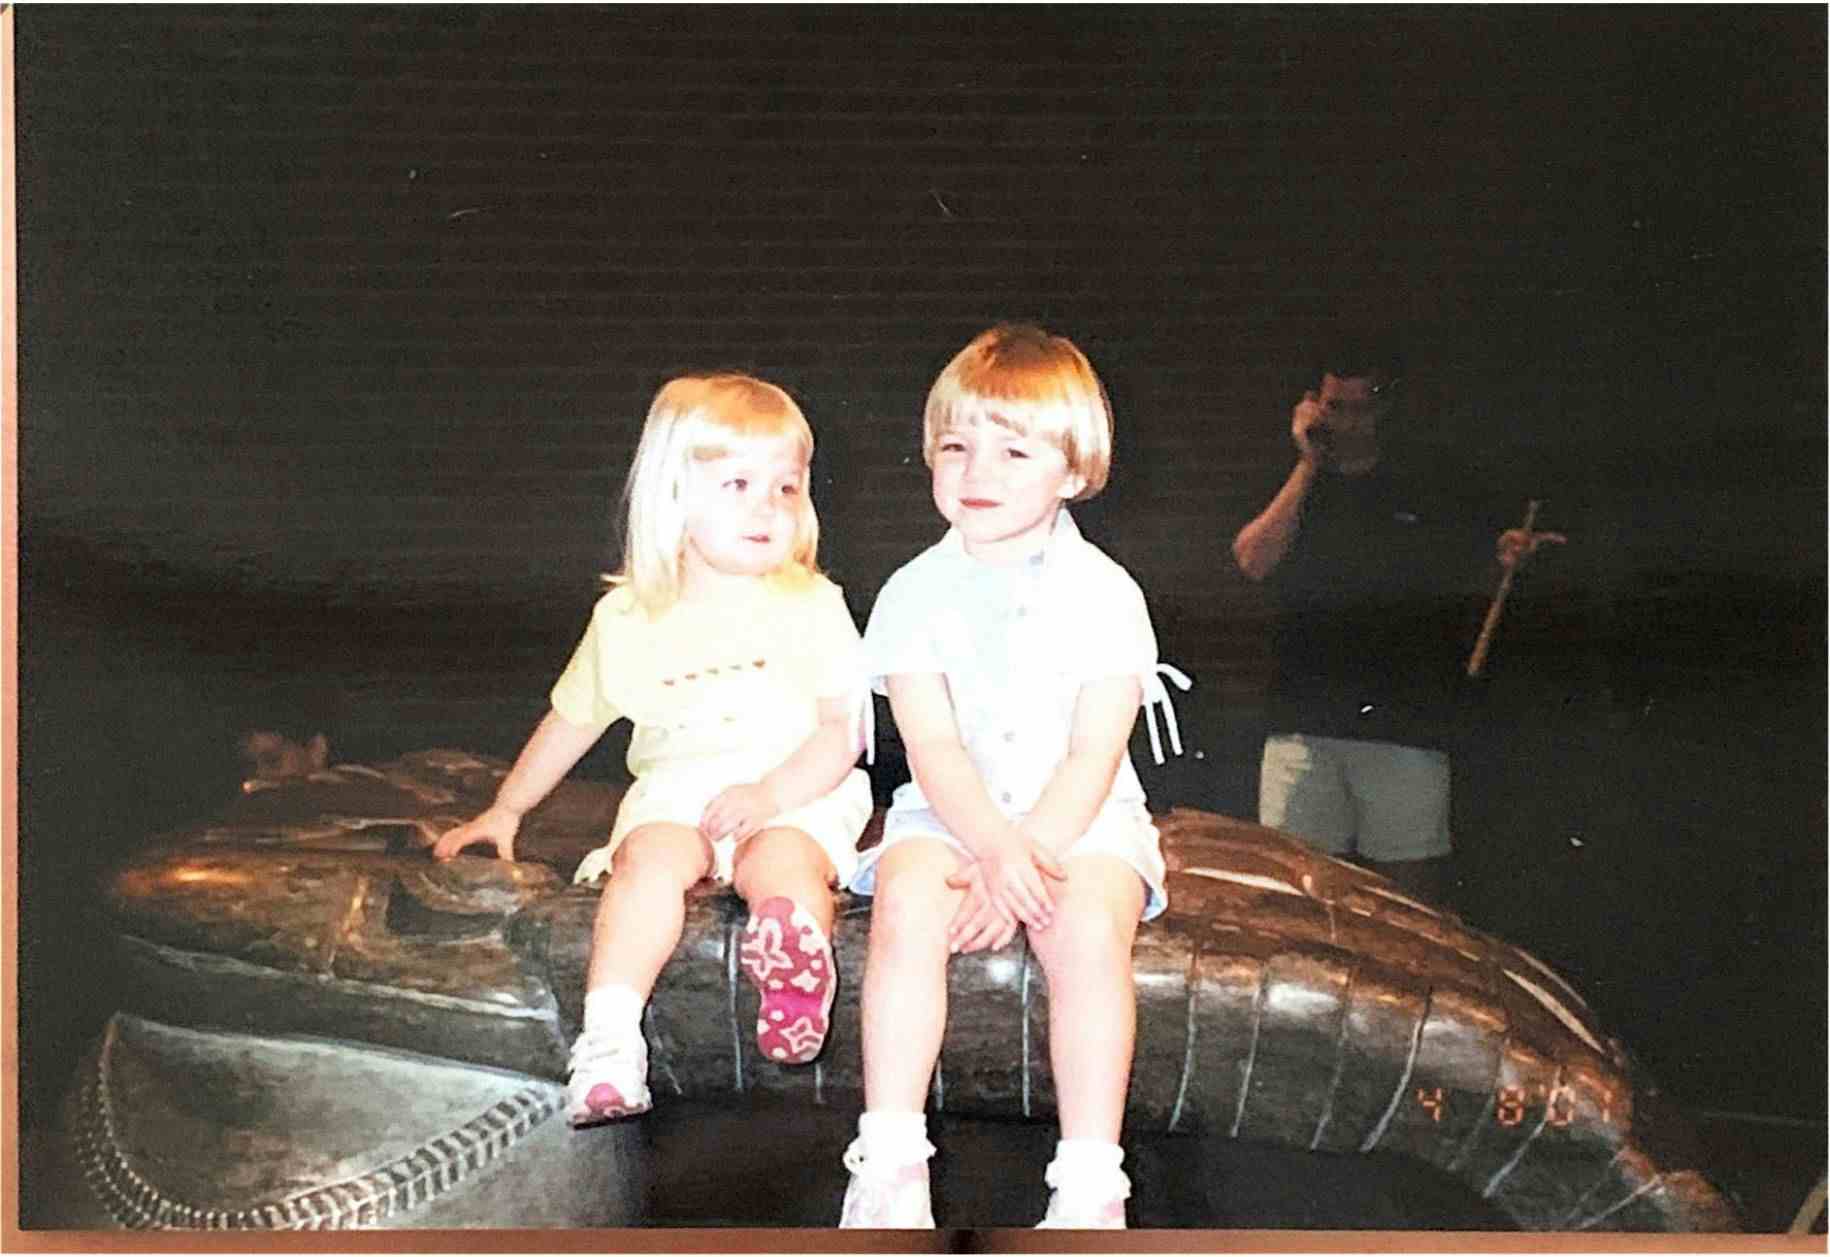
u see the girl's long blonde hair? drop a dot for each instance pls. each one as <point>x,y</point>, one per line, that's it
<point>693,419</point>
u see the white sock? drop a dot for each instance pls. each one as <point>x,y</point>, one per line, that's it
<point>1093,1158</point>
<point>613,1010</point>
<point>898,1138</point>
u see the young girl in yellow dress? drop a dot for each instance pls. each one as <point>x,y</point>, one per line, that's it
<point>741,669</point>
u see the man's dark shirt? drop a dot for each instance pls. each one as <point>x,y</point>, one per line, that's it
<point>1379,601</point>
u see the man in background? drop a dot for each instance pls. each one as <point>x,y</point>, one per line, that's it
<point>1377,562</point>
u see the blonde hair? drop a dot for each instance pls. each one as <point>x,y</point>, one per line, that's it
<point>694,419</point>
<point>1022,378</point>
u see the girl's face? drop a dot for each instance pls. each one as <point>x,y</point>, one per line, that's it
<point>742,509</point>
<point>1000,489</point>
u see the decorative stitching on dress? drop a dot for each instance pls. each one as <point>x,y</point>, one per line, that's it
<point>440,1164</point>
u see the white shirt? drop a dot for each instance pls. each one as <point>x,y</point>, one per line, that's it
<point>1016,644</point>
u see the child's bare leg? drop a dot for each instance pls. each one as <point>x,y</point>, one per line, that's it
<point>639,918</point>
<point>1092,1028</point>
<point>789,864</point>
<point>1092,1003</point>
<point>643,907</point>
<point>904,1018</point>
<point>904,1006</point>
<point>786,952</point>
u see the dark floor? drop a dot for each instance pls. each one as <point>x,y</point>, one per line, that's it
<point>1766,1167</point>
<point>989,1174</point>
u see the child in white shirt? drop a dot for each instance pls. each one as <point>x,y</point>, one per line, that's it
<point>1015,656</point>
<point>740,667</point>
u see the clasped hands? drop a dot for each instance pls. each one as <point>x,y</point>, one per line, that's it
<point>1005,887</point>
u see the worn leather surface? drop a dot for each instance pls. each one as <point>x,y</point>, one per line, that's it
<point>1284,995</point>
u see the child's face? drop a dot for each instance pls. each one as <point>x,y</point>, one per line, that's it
<point>742,508</point>
<point>1000,489</point>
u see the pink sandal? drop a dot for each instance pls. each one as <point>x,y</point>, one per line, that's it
<point>790,962</point>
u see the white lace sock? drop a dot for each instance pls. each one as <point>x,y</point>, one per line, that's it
<point>1089,1187</point>
<point>889,1173</point>
<point>898,1138</point>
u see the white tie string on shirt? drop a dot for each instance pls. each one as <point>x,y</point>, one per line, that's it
<point>1156,692</point>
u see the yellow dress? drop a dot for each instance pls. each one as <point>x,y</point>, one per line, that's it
<point>721,691</point>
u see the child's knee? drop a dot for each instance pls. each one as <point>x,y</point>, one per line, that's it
<point>911,907</point>
<point>1088,933</point>
<point>788,849</point>
<point>904,907</point>
<point>783,861</point>
<point>659,853</point>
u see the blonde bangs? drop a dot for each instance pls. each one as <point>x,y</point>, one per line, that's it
<point>1024,380</point>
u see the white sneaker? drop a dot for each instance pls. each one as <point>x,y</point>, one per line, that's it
<point>609,1077</point>
<point>1085,1201</point>
<point>886,1196</point>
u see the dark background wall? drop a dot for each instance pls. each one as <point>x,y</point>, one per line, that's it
<point>337,326</point>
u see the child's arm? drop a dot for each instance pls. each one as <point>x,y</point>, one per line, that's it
<point>815,768</point>
<point>1012,863</point>
<point>1105,712</point>
<point>551,750</point>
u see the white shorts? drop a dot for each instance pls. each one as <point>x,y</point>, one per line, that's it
<point>1380,800</point>
<point>1120,829</point>
<point>679,796</point>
